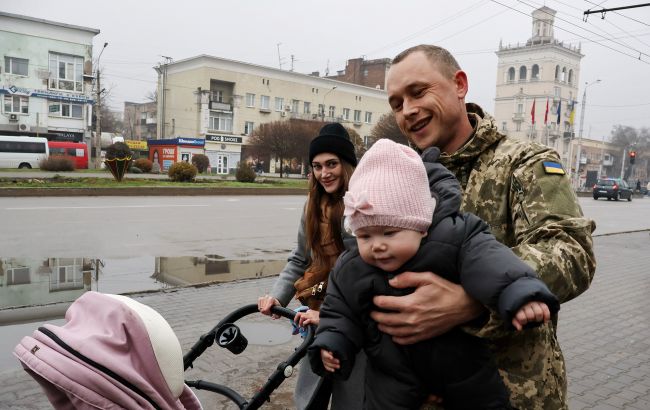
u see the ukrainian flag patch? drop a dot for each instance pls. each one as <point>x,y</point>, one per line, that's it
<point>551,167</point>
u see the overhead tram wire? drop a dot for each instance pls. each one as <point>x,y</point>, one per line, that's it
<point>576,34</point>
<point>599,28</point>
<point>620,14</point>
<point>589,31</point>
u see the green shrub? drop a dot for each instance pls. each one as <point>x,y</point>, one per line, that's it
<point>144,164</point>
<point>201,162</point>
<point>56,163</point>
<point>182,172</point>
<point>135,170</point>
<point>118,150</point>
<point>245,173</point>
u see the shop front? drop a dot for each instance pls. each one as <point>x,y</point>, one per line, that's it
<point>168,151</point>
<point>139,148</point>
<point>224,152</point>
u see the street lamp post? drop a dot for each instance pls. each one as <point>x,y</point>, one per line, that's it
<point>322,114</point>
<point>582,121</point>
<point>98,114</point>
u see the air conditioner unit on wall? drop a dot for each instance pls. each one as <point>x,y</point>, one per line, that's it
<point>13,117</point>
<point>283,114</point>
<point>23,127</point>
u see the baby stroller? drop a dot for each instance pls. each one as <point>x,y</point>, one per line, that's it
<point>114,352</point>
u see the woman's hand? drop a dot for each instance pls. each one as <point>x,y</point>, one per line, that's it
<point>265,303</point>
<point>310,317</point>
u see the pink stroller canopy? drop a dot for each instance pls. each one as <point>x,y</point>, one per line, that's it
<point>112,353</point>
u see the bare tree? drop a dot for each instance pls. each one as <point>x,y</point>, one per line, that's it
<point>274,138</point>
<point>387,127</point>
<point>152,96</point>
<point>629,138</point>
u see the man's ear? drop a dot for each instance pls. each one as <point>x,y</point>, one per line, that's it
<point>462,85</point>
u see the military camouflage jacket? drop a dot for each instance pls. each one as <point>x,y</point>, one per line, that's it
<point>533,209</point>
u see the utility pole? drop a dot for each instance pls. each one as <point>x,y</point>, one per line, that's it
<point>98,115</point>
<point>582,120</point>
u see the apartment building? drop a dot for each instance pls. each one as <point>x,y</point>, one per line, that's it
<point>140,122</point>
<point>45,78</point>
<point>223,101</point>
<point>369,73</point>
<point>540,76</point>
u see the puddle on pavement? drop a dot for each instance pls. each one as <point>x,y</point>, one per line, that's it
<point>33,291</point>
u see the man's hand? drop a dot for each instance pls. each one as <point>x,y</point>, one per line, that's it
<point>435,307</point>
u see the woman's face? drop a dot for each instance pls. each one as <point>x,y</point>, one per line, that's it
<point>327,170</point>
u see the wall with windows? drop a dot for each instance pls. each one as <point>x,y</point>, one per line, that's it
<point>45,77</point>
<point>540,70</point>
<point>218,98</point>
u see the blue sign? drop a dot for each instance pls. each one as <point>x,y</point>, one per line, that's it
<point>49,94</point>
<point>198,142</point>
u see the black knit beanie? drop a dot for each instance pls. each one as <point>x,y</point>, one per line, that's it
<point>333,138</point>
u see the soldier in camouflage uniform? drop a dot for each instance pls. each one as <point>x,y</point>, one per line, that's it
<point>520,190</point>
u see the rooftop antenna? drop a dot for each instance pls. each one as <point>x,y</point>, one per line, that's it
<point>279,58</point>
<point>327,69</point>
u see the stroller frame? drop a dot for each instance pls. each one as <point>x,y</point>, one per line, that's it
<point>283,371</point>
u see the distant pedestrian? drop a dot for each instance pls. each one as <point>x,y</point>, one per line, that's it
<point>638,185</point>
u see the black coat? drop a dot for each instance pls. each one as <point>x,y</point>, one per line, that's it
<point>460,248</point>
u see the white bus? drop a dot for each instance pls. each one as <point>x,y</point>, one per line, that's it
<point>22,152</point>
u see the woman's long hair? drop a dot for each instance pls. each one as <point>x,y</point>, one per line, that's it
<point>314,216</point>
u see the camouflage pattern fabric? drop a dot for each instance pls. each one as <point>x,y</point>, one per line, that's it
<point>537,214</point>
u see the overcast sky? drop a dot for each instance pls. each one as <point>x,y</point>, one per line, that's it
<point>322,34</point>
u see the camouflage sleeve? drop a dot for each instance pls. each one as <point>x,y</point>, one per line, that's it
<point>551,233</point>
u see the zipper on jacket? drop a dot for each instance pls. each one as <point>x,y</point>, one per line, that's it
<point>519,190</point>
<point>97,366</point>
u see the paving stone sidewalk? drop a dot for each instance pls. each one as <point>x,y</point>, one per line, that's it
<point>605,336</point>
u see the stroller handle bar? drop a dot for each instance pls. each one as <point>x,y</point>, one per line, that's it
<point>283,370</point>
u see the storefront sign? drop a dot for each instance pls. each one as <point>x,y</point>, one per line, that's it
<point>137,145</point>
<point>67,136</point>
<point>49,94</point>
<point>224,138</point>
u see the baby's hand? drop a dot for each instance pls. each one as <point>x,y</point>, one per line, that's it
<point>531,312</point>
<point>330,363</point>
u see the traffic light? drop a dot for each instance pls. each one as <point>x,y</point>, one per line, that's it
<point>632,157</point>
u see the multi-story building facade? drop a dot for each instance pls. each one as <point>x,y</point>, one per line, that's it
<point>46,78</point>
<point>370,73</point>
<point>223,101</point>
<point>539,78</point>
<point>140,122</point>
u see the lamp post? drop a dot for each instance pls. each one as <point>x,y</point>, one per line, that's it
<point>322,114</point>
<point>582,121</point>
<point>98,114</point>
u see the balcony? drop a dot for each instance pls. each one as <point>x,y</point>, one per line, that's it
<point>518,117</point>
<point>220,106</point>
<point>569,135</point>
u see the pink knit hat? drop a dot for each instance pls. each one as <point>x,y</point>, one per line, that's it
<point>389,187</point>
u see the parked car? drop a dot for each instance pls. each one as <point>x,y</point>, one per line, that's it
<point>612,188</point>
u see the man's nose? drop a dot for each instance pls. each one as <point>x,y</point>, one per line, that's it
<point>409,107</point>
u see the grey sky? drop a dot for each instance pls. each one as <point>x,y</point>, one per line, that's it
<point>326,34</point>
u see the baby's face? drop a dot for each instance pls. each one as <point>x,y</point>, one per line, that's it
<point>386,247</point>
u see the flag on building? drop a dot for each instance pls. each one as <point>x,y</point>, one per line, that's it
<point>572,113</point>
<point>532,112</point>
<point>546,112</point>
<point>559,111</point>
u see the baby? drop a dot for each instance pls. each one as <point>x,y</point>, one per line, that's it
<point>406,216</point>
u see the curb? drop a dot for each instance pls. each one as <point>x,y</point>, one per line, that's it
<point>148,191</point>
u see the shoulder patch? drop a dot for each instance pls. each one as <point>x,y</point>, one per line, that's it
<point>551,167</point>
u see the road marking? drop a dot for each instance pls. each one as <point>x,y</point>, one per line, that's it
<point>37,208</point>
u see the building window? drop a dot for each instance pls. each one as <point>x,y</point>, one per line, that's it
<point>365,72</point>
<point>535,74</point>
<point>16,104</point>
<point>570,77</point>
<point>556,92</point>
<point>250,100</point>
<point>557,73</point>
<point>357,115</point>
<point>65,109</point>
<point>16,66</point>
<point>563,75</point>
<point>504,126</point>
<point>307,107</point>
<point>265,102</point>
<point>321,110</point>
<point>511,74</point>
<point>220,121</point>
<point>66,72</point>
<point>346,114</point>
<point>518,126</point>
<point>522,73</point>
<point>248,127</point>
<point>368,117</point>
<point>520,108</point>
<point>331,112</point>
<point>18,276</point>
<point>216,96</point>
<point>294,105</point>
<point>279,103</point>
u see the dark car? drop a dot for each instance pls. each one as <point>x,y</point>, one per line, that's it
<point>612,188</point>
